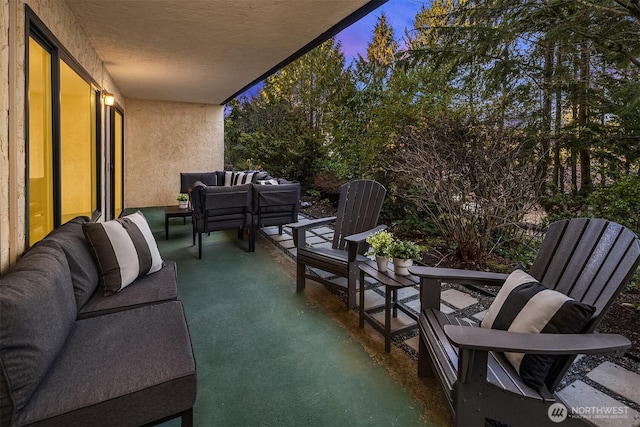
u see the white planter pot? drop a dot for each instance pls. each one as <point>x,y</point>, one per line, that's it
<point>383,263</point>
<point>401,266</point>
<point>183,205</point>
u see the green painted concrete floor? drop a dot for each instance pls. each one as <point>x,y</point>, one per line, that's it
<point>265,355</point>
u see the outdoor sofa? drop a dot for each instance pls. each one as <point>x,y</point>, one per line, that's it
<point>71,356</point>
<point>247,200</point>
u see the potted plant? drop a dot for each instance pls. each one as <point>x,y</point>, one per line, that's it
<point>380,242</point>
<point>404,252</point>
<point>183,200</point>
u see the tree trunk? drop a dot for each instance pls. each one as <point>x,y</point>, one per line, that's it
<point>583,120</point>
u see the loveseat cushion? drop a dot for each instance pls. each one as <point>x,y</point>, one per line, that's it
<point>124,249</point>
<point>84,271</point>
<point>37,314</point>
<point>154,288</point>
<point>121,369</point>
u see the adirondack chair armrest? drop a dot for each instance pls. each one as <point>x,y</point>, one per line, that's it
<point>300,228</point>
<point>355,240</point>
<point>482,339</point>
<point>454,275</point>
<point>361,237</point>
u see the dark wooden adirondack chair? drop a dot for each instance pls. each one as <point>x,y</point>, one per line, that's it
<point>358,212</point>
<point>590,260</point>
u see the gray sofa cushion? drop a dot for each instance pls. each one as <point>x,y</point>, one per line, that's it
<point>84,272</point>
<point>157,287</point>
<point>138,365</point>
<point>37,313</point>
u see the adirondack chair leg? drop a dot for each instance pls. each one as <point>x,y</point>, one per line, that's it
<point>300,277</point>
<point>351,286</point>
<point>472,388</point>
<point>424,362</point>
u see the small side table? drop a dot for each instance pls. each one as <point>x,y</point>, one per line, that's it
<point>174,212</point>
<point>392,283</point>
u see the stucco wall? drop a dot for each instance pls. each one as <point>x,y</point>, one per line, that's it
<point>163,139</point>
<point>4,133</point>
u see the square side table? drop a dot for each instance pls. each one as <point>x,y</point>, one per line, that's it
<point>392,283</point>
<point>174,212</point>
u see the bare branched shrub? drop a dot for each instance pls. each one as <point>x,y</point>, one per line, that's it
<point>471,180</point>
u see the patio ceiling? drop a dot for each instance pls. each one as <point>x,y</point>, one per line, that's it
<point>206,51</point>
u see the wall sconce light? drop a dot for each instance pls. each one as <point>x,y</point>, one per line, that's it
<point>109,98</point>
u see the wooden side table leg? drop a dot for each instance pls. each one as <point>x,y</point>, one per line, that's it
<point>387,319</point>
<point>361,308</point>
<point>166,227</point>
<point>395,302</point>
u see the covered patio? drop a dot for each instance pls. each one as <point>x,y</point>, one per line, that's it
<point>268,355</point>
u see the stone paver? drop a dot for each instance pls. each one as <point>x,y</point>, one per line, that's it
<point>322,273</point>
<point>458,299</point>
<point>315,239</point>
<point>326,245</point>
<point>323,230</point>
<point>480,316</point>
<point>413,342</point>
<point>270,231</point>
<point>407,292</point>
<point>279,238</point>
<point>396,322</point>
<point>287,244</point>
<point>371,299</point>
<point>600,409</point>
<point>618,379</point>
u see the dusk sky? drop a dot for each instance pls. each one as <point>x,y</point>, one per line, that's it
<point>355,39</point>
<point>400,14</point>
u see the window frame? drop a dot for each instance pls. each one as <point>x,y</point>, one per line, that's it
<point>36,29</point>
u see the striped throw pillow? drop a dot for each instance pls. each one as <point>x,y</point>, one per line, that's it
<point>525,305</point>
<point>124,249</point>
<point>240,178</point>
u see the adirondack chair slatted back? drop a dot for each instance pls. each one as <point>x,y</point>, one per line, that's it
<point>358,209</point>
<point>589,260</point>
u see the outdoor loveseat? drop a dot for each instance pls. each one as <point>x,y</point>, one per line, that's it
<point>71,355</point>
<point>225,200</point>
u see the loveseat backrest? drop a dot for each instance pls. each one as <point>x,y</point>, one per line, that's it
<point>211,200</point>
<point>189,178</point>
<point>217,178</point>
<point>84,271</point>
<point>276,198</point>
<point>37,313</point>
